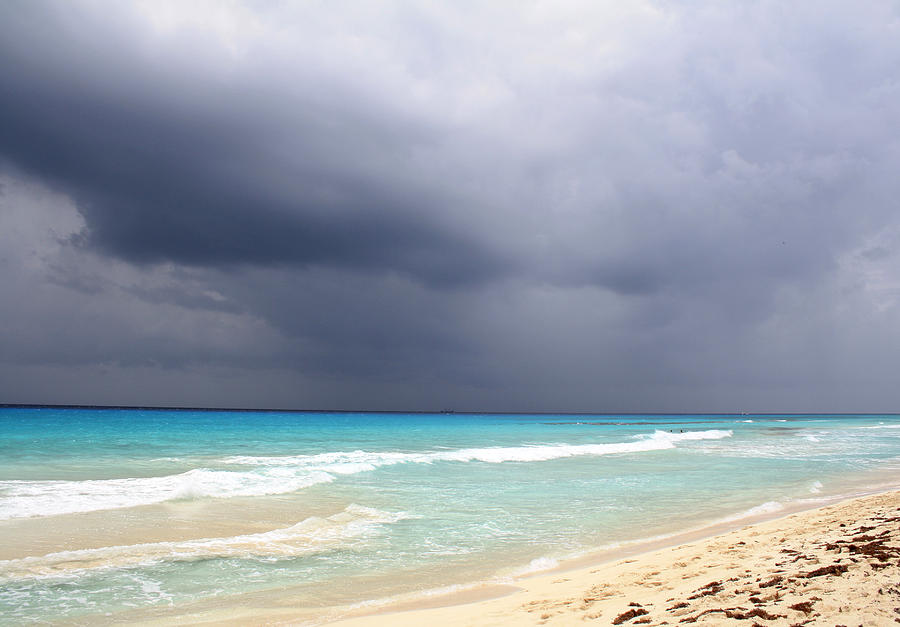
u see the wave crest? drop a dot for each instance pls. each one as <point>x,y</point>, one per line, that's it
<point>312,535</point>
<point>24,499</point>
<point>286,474</point>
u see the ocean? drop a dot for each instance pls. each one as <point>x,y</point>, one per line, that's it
<point>120,515</point>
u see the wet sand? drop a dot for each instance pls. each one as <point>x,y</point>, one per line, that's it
<point>838,565</point>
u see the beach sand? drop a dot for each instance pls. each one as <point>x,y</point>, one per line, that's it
<point>838,565</point>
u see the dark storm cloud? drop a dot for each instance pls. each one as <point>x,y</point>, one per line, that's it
<point>587,205</point>
<point>173,154</point>
<point>209,170</point>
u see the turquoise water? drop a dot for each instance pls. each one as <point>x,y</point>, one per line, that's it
<point>105,514</point>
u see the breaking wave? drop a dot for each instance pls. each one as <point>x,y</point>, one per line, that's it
<point>360,461</point>
<point>23,499</point>
<point>312,535</point>
<point>286,474</point>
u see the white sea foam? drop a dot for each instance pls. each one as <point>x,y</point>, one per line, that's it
<point>22,499</point>
<point>286,474</point>
<point>537,565</point>
<point>308,536</point>
<point>358,461</point>
<point>769,507</point>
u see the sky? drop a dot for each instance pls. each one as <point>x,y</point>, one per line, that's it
<point>585,206</point>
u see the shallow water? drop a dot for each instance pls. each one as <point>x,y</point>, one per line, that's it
<point>111,511</point>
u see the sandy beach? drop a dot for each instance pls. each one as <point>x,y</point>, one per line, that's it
<point>838,565</point>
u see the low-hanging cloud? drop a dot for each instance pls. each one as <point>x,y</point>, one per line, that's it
<point>587,206</point>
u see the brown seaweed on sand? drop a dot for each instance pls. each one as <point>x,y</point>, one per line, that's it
<point>834,569</point>
<point>713,587</point>
<point>805,607</point>
<point>626,616</point>
<point>735,613</point>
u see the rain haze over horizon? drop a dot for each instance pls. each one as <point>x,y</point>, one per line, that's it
<point>576,206</point>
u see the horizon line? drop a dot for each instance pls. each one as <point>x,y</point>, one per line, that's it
<point>423,411</point>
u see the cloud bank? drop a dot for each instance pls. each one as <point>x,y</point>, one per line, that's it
<point>577,206</point>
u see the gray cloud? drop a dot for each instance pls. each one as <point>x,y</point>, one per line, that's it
<point>592,206</point>
<point>202,169</point>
